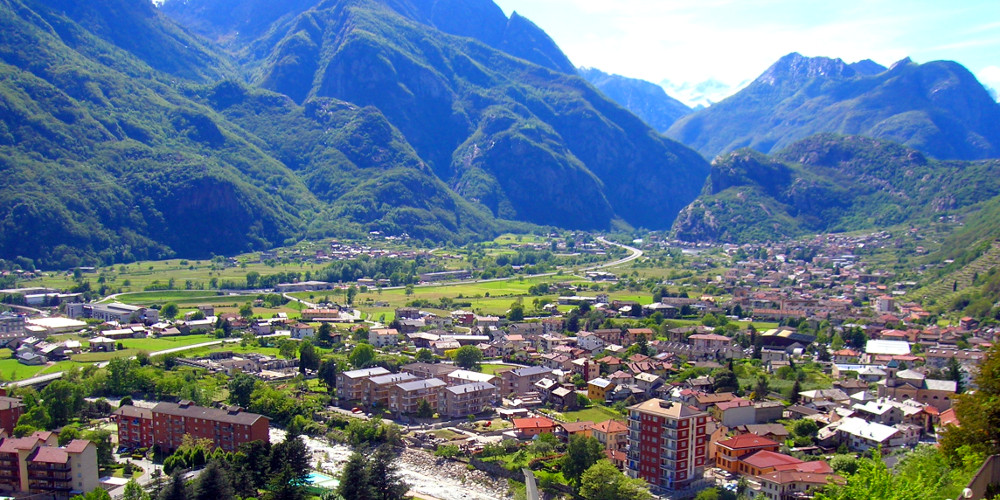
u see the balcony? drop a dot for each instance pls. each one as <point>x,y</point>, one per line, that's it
<point>40,467</point>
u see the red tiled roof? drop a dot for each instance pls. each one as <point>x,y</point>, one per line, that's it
<point>765,459</point>
<point>571,427</point>
<point>733,403</point>
<point>948,417</point>
<point>533,423</point>
<point>815,467</point>
<point>12,445</point>
<point>49,454</point>
<point>747,441</point>
<point>611,426</point>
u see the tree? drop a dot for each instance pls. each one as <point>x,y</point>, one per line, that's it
<point>246,311</point>
<point>425,355</point>
<point>354,483</point>
<point>424,409</point>
<point>581,453</point>
<point>468,357</point>
<point>324,334</point>
<point>725,381</point>
<point>308,357</point>
<point>68,433</point>
<point>794,397</point>
<point>105,451</point>
<point>241,386</point>
<point>213,483</point>
<point>97,494</point>
<point>362,355</point>
<point>643,344</point>
<point>169,310</point>
<point>979,414</point>
<point>352,291</point>
<point>287,348</point>
<point>134,492</point>
<point>955,373</point>
<point>383,473</point>
<point>176,489</point>
<point>603,481</point>
<point>516,312</point>
<point>761,389</point>
<point>327,373</point>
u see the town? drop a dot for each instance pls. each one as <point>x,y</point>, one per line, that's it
<point>761,371</point>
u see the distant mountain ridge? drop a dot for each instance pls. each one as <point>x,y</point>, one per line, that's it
<point>830,183</point>
<point>646,100</point>
<point>938,108</point>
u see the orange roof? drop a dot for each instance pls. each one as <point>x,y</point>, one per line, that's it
<point>788,476</point>
<point>948,417</point>
<point>746,441</point>
<point>533,423</point>
<point>611,427</point>
<point>573,427</point>
<point>815,467</point>
<point>766,459</point>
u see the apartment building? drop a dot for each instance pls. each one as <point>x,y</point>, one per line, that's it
<point>10,410</point>
<point>668,444</point>
<point>35,465</point>
<point>405,397</point>
<point>170,422</point>
<point>375,390</point>
<point>135,426</point>
<point>467,399</point>
<point>521,380</point>
<point>349,383</point>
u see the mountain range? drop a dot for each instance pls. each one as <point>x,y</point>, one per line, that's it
<point>937,107</point>
<point>216,127</point>
<point>831,183</point>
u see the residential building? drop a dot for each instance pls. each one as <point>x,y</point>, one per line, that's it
<point>467,399</point>
<point>302,331</point>
<point>790,484</point>
<point>533,426</point>
<point>735,412</point>
<point>11,409</point>
<point>375,390</point>
<point>597,389</point>
<point>34,465</point>
<point>135,426</point>
<point>667,444</point>
<point>915,386</point>
<point>11,328</point>
<point>382,337</point>
<point>861,435</point>
<point>521,380</point>
<point>429,370</point>
<point>612,434</point>
<point>227,429</point>
<point>349,383</point>
<point>729,452</point>
<point>406,397</point>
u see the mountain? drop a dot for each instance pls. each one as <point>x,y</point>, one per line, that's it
<point>106,158</point>
<point>646,100</point>
<point>830,183</point>
<point>938,108</point>
<point>488,102</point>
<point>698,95</point>
<point>126,135</point>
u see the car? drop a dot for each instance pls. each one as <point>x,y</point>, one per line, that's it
<point>355,410</point>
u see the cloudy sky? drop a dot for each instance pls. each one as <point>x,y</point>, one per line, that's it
<point>735,40</point>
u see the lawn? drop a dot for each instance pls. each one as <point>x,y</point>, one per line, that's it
<point>596,413</point>
<point>493,369</point>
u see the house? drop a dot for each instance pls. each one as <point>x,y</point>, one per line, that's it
<point>589,341</point>
<point>564,399</point>
<point>789,484</point>
<point>729,452</point>
<point>569,429</point>
<point>597,389</point>
<point>521,380</point>
<point>861,435</point>
<point>302,331</point>
<point>382,337</point>
<point>533,426</point>
<point>774,432</point>
<point>648,382</point>
<point>612,434</point>
<point>734,412</point>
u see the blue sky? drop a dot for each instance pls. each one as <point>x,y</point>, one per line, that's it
<point>736,40</point>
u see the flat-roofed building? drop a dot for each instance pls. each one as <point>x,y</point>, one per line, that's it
<point>135,426</point>
<point>375,390</point>
<point>668,444</point>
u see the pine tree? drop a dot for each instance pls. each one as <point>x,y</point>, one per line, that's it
<point>354,479</point>
<point>176,489</point>
<point>383,473</point>
<point>213,484</point>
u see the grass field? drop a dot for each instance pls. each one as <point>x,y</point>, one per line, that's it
<point>594,414</point>
<point>493,369</point>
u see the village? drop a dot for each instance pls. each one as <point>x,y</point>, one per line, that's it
<point>681,389</point>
